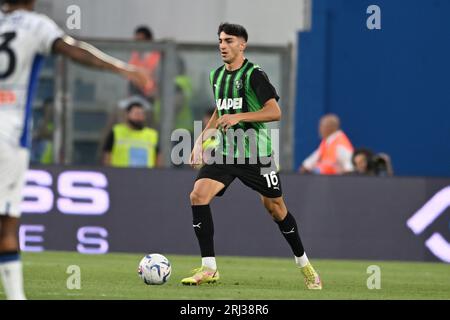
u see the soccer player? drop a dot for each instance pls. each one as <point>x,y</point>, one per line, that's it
<point>244,99</point>
<point>25,36</point>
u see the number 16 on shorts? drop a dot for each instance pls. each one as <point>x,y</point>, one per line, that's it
<point>271,179</point>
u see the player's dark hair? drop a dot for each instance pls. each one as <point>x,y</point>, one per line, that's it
<point>233,29</point>
<point>146,31</point>
<point>134,105</point>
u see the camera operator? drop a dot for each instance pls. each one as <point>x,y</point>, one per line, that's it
<point>367,163</point>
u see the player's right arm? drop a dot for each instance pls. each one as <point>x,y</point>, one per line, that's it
<point>88,55</point>
<point>210,125</point>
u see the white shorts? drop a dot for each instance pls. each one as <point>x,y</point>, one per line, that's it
<point>13,166</point>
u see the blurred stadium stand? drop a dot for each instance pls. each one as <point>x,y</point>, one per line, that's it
<point>389,86</point>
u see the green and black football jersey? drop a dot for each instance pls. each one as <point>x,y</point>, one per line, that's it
<point>246,89</point>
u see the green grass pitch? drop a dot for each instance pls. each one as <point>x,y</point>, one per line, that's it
<point>114,276</point>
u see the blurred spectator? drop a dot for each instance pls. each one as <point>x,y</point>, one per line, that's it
<point>42,144</point>
<point>334,154</point>
<point>362,162</point>
<point>366,162</point>
<point>383,165</point>
<point>149,61</point>
<point>183,88</point>
<point>132,144</point>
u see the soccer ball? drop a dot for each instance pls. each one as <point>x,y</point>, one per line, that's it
<point>154,268</point>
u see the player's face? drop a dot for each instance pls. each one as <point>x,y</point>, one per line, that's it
<point>231,47</point>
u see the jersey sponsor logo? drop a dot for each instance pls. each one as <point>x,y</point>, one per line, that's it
<point>229,103</point>
<point>7,97</point>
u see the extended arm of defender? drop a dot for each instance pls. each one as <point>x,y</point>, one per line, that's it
<point>88,55</point>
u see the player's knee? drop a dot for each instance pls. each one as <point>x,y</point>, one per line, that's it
<point>276,209</point>
<point>278,214</point>
<point>267,206</point>
<point>198,198</point>
<point>275,213</point>
<point>8,228</point>
<point>7,235</point>
<point>8,241</point>
<point>270,207</point>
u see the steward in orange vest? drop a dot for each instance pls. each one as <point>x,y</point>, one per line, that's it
<point>334,154</point>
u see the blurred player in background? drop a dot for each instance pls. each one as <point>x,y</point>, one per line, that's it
<point>245,99</point>
<point>25,37</point>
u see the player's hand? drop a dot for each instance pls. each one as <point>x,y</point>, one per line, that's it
<point>196,160</point>
<point>227,120</point>
<point>138,76</point>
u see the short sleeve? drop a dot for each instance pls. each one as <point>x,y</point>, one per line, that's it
<point>47,32</point>
<point>262,87</point>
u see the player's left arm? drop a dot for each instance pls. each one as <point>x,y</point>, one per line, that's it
<point>271,111</point>
<point>267,96</point>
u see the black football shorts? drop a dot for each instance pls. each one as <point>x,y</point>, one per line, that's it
<point>261,177</point>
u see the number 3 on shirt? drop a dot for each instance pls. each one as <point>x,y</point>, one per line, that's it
<point>4,48</point>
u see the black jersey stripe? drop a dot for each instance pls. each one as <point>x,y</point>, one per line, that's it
<point>216,75</point>
<point>222,85</point>
<point>230,89</point>
<point>217,84</point>
<point>214,80</point>
<point>243,93</point>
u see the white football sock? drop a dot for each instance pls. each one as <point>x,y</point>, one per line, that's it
<point>209,262</point>
<point>12,278</point>
<point>302,261</point>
